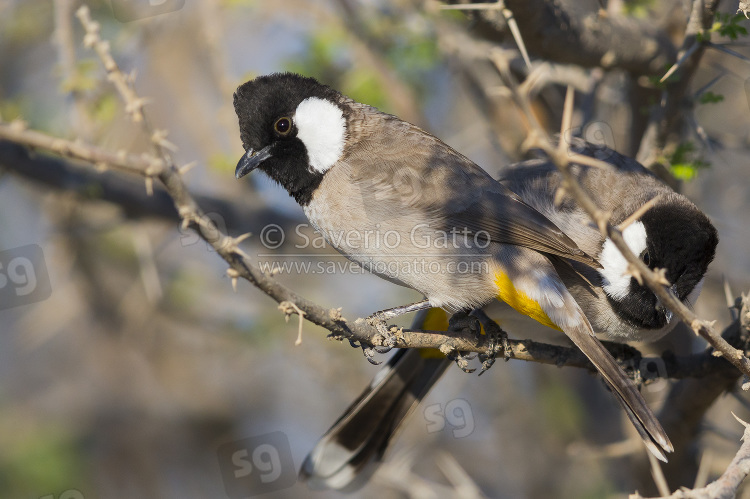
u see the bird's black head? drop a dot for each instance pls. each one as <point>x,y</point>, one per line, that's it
<point>293,128</point>
<point>673,235</point>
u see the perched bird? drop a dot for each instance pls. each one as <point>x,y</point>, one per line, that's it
<point>390,196</point>
<point>674,234</point>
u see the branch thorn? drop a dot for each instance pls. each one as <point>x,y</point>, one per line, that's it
<point>233,275</point>
<point>289,308</point>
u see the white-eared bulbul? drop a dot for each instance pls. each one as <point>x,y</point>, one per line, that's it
<point>674,235</point>
<point>384,192</point>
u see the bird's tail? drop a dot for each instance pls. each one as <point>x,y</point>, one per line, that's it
<point>350,451</point>
<point>640,415</point>
<point>536,290</point>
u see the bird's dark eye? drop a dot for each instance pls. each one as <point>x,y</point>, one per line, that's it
<point>646,258</point>
<point>283,126</point>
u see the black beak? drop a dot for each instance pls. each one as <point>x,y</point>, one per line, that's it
<point>251,160</point>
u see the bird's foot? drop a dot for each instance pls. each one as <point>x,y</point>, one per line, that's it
<point>462,360</point>
<point>497,338</point>
<point>369,353</point>
<point>378,321</point>
<point>493,339</point>
<point>462,321</point>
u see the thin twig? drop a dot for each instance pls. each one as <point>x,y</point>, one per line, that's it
<point>658,475</point>
<point>66,53</point>
<point>144,164</point>
<point>704,468</point>
<point>513,25</point>
<point>665,117</point>
<point>639,212</point>
<point>724,487</point>
<point>134,104</point>
<point>731,304</point>
<point>733,53</point>
<point>677,65</point>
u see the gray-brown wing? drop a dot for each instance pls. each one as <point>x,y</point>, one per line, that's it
<point>499,215</point>
<point>620,190</point>
<point>420,176</point>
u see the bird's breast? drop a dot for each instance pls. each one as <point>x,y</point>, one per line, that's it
<point>407,248</point>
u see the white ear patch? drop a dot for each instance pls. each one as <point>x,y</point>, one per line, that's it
<point>614,265</point>
<point>322,128</point>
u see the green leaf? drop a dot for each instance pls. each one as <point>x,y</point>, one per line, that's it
<point>710,98</point>
<point>638,8</point>
<point>684,171</point>
<point>728,25</point>
<point>685,163</point>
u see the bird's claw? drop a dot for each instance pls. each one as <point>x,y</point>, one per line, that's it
<point>462,360</point>
<point>389,339</point>
<point>369,353</point>
<point>493,338</point>
<point>495,335</point>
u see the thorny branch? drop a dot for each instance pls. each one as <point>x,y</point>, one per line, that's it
<point>358,331</point>
<point>127,192</point>
<point>557,31</point>
<point>133,103</point>
<point>144,164</point>
<point>724,487</point>
<point>240,266</point>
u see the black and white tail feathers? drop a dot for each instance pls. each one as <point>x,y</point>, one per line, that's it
<point>350,451</point>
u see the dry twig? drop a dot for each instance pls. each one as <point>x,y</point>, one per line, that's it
<point>724,487</point>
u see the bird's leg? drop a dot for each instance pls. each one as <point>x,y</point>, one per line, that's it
<point>378,319</point>
<point>461,321</point>
<point>494,334</point>
<point>390,313</point>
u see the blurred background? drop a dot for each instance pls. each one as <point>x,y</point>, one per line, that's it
<point>139,364</point>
